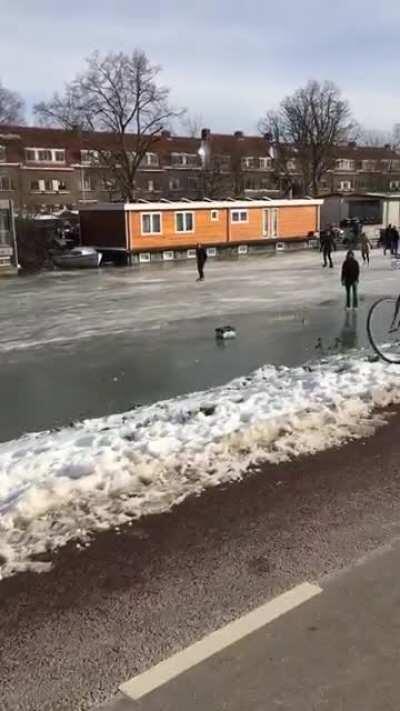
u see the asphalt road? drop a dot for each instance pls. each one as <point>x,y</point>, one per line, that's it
<point>68,638</point>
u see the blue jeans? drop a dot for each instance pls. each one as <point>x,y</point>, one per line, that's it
<point>351,287</point>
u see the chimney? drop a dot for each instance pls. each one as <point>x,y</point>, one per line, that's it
<point>165,133</point>
<point>205,134</point>
<point>238,134</point>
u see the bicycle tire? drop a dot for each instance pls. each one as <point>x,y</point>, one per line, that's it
<point>374,339</point>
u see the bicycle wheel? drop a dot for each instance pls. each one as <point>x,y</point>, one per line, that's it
<point>383,327</point>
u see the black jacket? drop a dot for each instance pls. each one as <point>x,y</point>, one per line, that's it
<point>350,270</point>
<point>201,255</point>
<point>327,242</point>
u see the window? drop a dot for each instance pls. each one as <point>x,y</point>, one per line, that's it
<point>150,186</point>
<point>150,160</point>
<point>291,164</point>
<point>6,183</point>
<point>45,155</point>
<point>214,215</point>
<point>271,216</point>
<point>247,162</point>
<point>184,159</point>
<point>265,163</point>
<point>2,153</point>
<point>368,164</point>
<point>174,184</point>
<point>394,185</point>
<point>35,187</point>
<point>184,221</point>
<point>60,185</point>
<point>88,183</point>
<point>239,216</point>
<point>89,157</point>
<point>151,223</point>
<point>345,185</point>
<point>344,164</point>
<point>48,185</point>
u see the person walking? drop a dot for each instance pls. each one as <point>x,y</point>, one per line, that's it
<point>201,256</point>
<point>387,239</point>
<point>395,241</point>
<point>350,277</point>
<point>327,244</point>
<point>365,246</point>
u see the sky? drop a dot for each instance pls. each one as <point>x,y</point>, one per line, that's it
<point>225,61</point>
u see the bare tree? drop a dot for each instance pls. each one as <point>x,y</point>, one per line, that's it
<point>376,137</point>
<point>191,124</point>
<point>11,107</point>
<point>307,127</point>
<point>118,94</point>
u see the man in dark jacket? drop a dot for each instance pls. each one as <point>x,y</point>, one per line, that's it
<point>395,241</point>
<point>387,239</point>
<point>350,276</point>
<point>327,242</point>
<point>201,256</point>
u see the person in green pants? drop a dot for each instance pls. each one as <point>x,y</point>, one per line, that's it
<point>350,277</point>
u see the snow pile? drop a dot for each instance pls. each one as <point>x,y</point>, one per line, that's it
<point>101,473</point>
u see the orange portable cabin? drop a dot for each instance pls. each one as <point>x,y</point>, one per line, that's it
<point>147,231</point>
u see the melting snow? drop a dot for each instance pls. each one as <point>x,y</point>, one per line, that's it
<point>101,473</point>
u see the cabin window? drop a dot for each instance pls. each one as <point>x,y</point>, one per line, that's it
<point>214,215</point>
<point>151,223</point>
<point>239,216</point>
<point>184,221</point>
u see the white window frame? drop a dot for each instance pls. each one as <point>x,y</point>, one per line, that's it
<point>185,159</point>
<point>191,254</point>
<point>271,222</point>
<point>344,164</point>
<point>214,216</point>
<point>52,152</point>
<point>10,183</point>
<point>150,186</point>
<point>242,249</point>
<point>144,258</point>
<point>247,162</point>
<point>265,162</point>
<point>168,256</point>
<point>89,156</point>
<point>239,221</point>
<point>211,251</point>
<point>151,160</point>
<point>345,186</point>
<point>185,230</point>
<point>394,185</point>
<point>152,231</point>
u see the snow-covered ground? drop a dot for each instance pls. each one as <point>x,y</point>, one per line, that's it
<point>61,485</point>
<point>55,486</point>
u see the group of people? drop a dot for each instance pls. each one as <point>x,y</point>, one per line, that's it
<point>390,240</point>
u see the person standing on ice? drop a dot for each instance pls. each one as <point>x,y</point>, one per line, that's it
<point>350,277</point>
<point>327,245</point>
<point>365,245</point>
<point>201,256</point>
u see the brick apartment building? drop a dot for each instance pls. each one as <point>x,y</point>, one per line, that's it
<point>44,170</point>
